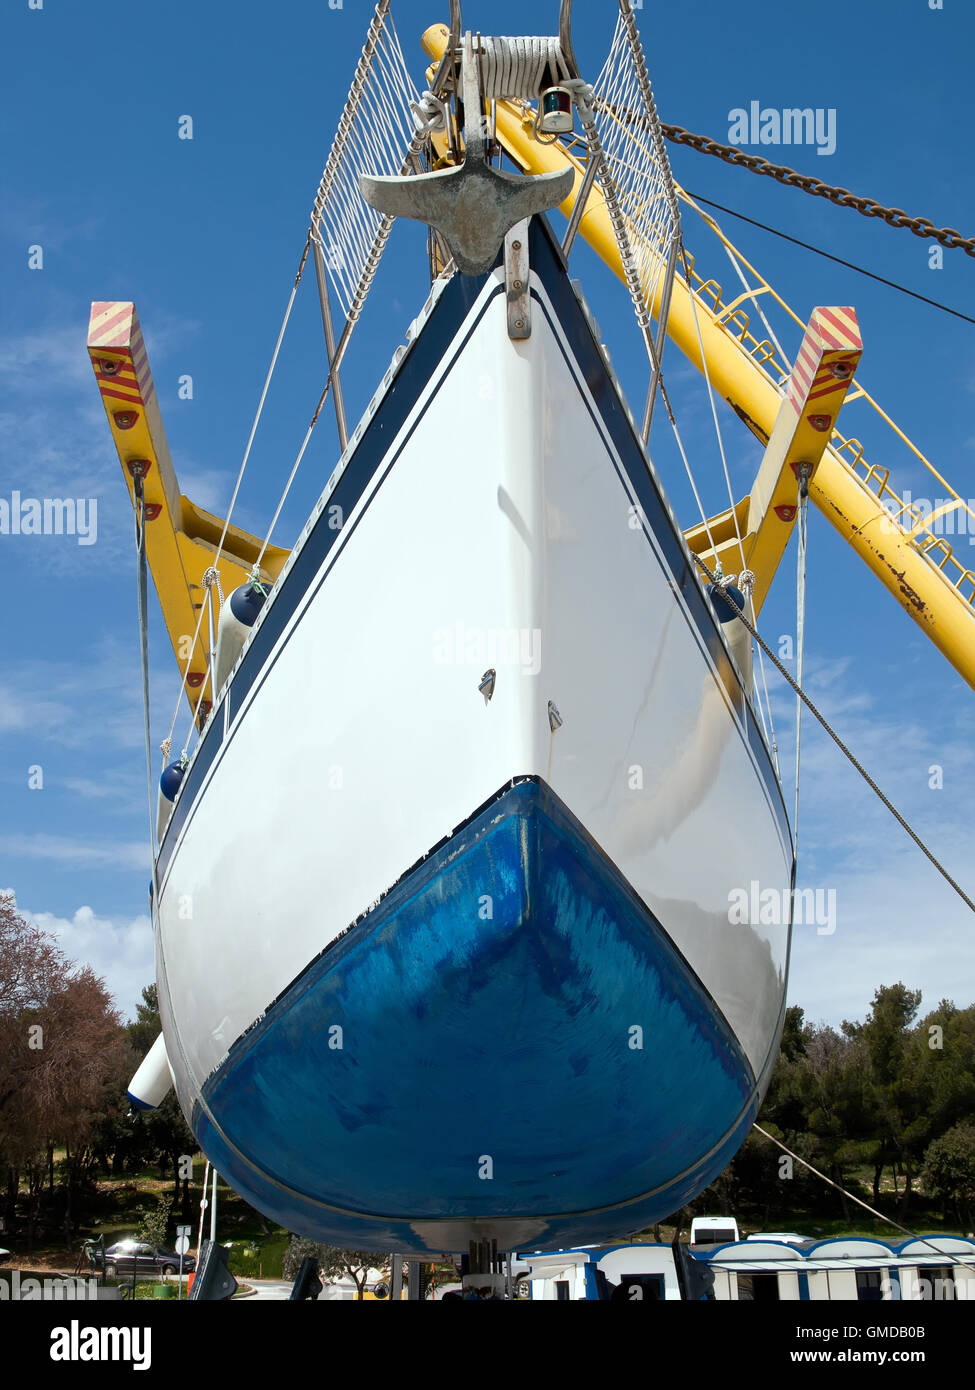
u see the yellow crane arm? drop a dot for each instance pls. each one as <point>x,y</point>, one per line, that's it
<point>938,607</point>
<point>181,538</point>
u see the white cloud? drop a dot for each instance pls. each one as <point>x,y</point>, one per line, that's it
<point>209,488</point>
<point>120,950</point>
<point>60,351</point>
<point>64,701</point>
<point>897,918</point>
<point>55,440</point>
<point>67,852</point>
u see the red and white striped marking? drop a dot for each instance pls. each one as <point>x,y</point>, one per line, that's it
<point>833,331</point>
<point>114,326</point>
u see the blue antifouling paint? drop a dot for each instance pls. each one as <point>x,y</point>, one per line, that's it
<point>483,1008</point>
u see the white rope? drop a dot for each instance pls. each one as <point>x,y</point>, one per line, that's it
<point>513,68</point>
<point>166,745</point>
<point>690,474</point>
<point>731,497</point>
<point>429,113</point>
<point>768,701</point>
<point>751,290</point>
<point>211,577</point>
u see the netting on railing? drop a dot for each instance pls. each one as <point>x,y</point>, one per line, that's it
<point>376,135</point>
<point>632,139</point>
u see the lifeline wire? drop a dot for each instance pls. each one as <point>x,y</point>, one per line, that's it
<point>817,250</point>
<point>922,1240</point>
<point>801,535</point>
<point>143,587</point>
<point>843,748</point>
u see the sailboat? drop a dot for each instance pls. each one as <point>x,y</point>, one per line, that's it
<point>441,893</point>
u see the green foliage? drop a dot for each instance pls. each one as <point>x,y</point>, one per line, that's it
<point>154,1222</point>
<point>949,1170</point>
<point>258,1258</point>
<point>299,1248</point>
<point>333,1261</point>
<point>145,1028</point>
<point>860,1103</point>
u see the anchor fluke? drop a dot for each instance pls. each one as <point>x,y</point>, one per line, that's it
<point>474,206</point>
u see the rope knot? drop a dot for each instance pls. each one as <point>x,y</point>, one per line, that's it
<point>429,113</point>
<point>211,576</point>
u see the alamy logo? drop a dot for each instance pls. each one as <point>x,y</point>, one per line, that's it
<point>776,907</point>
<point>793,125</point>
<point>51,1288</point>
<point>75,1343</point>
<point>462,645</point>
<point>944,516</point>
<point>50,516</point>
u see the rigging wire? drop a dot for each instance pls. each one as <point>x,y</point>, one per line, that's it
<point>842,197</point>
<point>687,466</point>
<point>143,603</point>
<point>861,392</point>
<point>922,1240</point>
<point>747,589</point>
<point>167,742</point>
<point>801,536</point>
<point>752,291</point>
<point>807,246</point>
<point>714,414</point>
<point>843,748</point>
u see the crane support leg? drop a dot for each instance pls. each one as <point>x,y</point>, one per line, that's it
<point>181,538</point>
<point>824,370</point>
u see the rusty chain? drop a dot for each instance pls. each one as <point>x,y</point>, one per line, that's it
<point>842,197</point>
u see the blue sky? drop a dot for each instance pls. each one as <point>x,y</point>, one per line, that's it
<point>205,236</point>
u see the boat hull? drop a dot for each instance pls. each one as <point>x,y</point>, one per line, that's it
<point>512,901</point>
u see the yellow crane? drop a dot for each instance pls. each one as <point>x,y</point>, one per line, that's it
<point>916,565</point>
<point>793,413</point>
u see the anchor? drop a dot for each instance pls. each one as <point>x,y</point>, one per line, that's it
<point>473,206</point>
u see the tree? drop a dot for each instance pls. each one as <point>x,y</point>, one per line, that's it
<point>145,1028</point>
<point>900,1123</point>
<point>356,1264</point>
<point>333,1261</point>
<point>949,1171</point>
<point>154,1222</point>
<point>31,967</point>
<point>62,1059</point>
<point>299,1248</point>
<point>164,1130</point>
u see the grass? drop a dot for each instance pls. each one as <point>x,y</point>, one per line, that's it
<point>113,1211</point>
<point>257,1249</point>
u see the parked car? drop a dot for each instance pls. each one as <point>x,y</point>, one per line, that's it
<point>147,1259</point>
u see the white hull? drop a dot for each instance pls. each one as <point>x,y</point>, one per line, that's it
<point>502,530</point>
